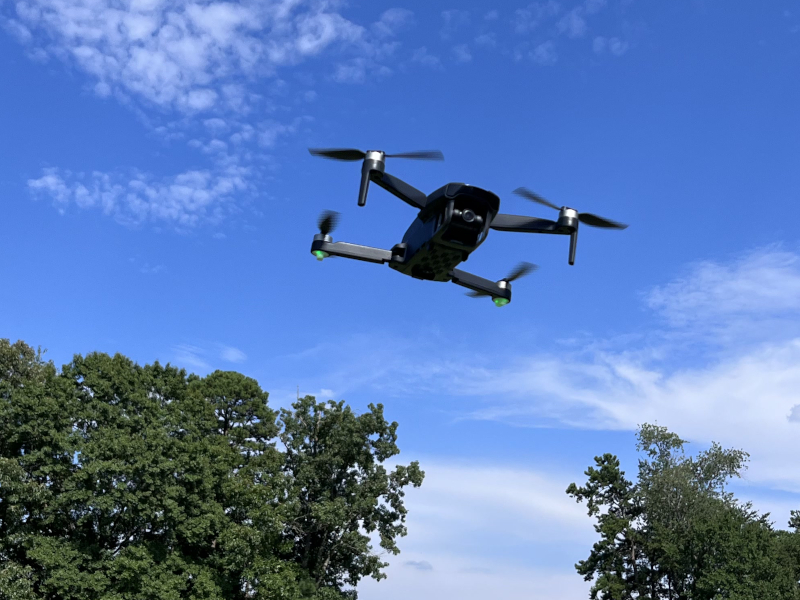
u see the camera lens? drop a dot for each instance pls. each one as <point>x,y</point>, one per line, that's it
<point>468,216</point>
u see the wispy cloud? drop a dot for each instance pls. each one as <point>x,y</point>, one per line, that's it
<point>475,529</point>
<point>758,284</point>
<point>461,53</point>
<point>574,24</point>
<point>191,358</point>
<point>180,55</point>
<point>529,18</point>
<point>737,382</point>
<point>454,22</point>
<point>544,54</point>
<point>184,200</point>
<point>231,354</point>
<point>422,56</point>
<point>421,565</point>
<point>613,45</point>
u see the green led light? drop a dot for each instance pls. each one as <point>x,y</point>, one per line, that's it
<point>500,301</point>
<point>320,254</point>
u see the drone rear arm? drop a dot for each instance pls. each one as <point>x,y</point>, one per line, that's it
<point>479,284</point>
<point>568,226</point>
<point>407,193</point>
<point>522,224</point>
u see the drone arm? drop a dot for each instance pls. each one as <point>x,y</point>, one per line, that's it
<point>479,284</point>
<point>521,224</point>
<point>407,193</point>
<point>345,250</point>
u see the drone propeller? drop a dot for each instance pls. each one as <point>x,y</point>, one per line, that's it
<point>353,154</point>
<point>522,269</point>
<point>328,221</point>
<point>586,218</point>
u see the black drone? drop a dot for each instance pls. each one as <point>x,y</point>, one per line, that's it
<point>452,222</point>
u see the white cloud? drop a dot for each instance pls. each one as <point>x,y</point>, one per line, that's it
<point>486,39</point>
<point>231,354</point>
<point>191,358</point>
<point>422,565</point>
<point>181,54</point>
<point>573,23</point>
<point>149,269</point>
<point>454,23</point>
<point>473,531</point>
<point>352,71</point>
<point>740,390</point>
<point>392,21</point>
<point>461,53</point>
<point>422,56</point>
<point>529,18</point>
<point>759,284</point>
<point>614,45</point>
<point>183,200</point>
<point>544,54</point>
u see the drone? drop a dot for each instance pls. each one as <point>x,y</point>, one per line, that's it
<point>452,222</point>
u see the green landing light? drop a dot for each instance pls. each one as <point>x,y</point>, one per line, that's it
<point>500,301</point>
<point>320,254</point>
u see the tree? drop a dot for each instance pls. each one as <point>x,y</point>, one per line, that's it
<point>677,534</point>
<point>120,481</point>
<point>340,493</point>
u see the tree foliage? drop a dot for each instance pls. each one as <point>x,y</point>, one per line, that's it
<point>677,533</point>
<point>121,481</point>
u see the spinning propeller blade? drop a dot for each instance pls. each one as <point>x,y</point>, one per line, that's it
<point>421,155</point>
<point>522,269</point>
<point>595,221</point>
<point>526,193</point>
<point>586,218</point>
<point>338,153</point>
<point>353,154</point>
<point>328,221</point>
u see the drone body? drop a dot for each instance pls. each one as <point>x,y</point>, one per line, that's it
<point>452,222</point>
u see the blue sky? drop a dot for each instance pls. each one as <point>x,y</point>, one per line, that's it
<point>159,201</point>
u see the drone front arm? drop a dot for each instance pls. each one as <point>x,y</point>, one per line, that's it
<point>479,284</point>
<point>522,224</point>
<point>407,193</point>
<point>345,250</point>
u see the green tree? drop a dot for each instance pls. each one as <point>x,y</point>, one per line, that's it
<point>339,492</point>
<point>120,481</point>
<point>677,533</point>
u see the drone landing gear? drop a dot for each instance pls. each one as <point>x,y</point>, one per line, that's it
<point>499,291</point>
<point>323,246</point>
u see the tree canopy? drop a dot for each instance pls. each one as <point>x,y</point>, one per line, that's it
<point>121,481</point>
<point>677,534</point>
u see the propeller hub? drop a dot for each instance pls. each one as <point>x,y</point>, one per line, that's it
<point>504,285</point>
<point>322,237</point>
<point>568,217</point>
<point>375,155</point>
